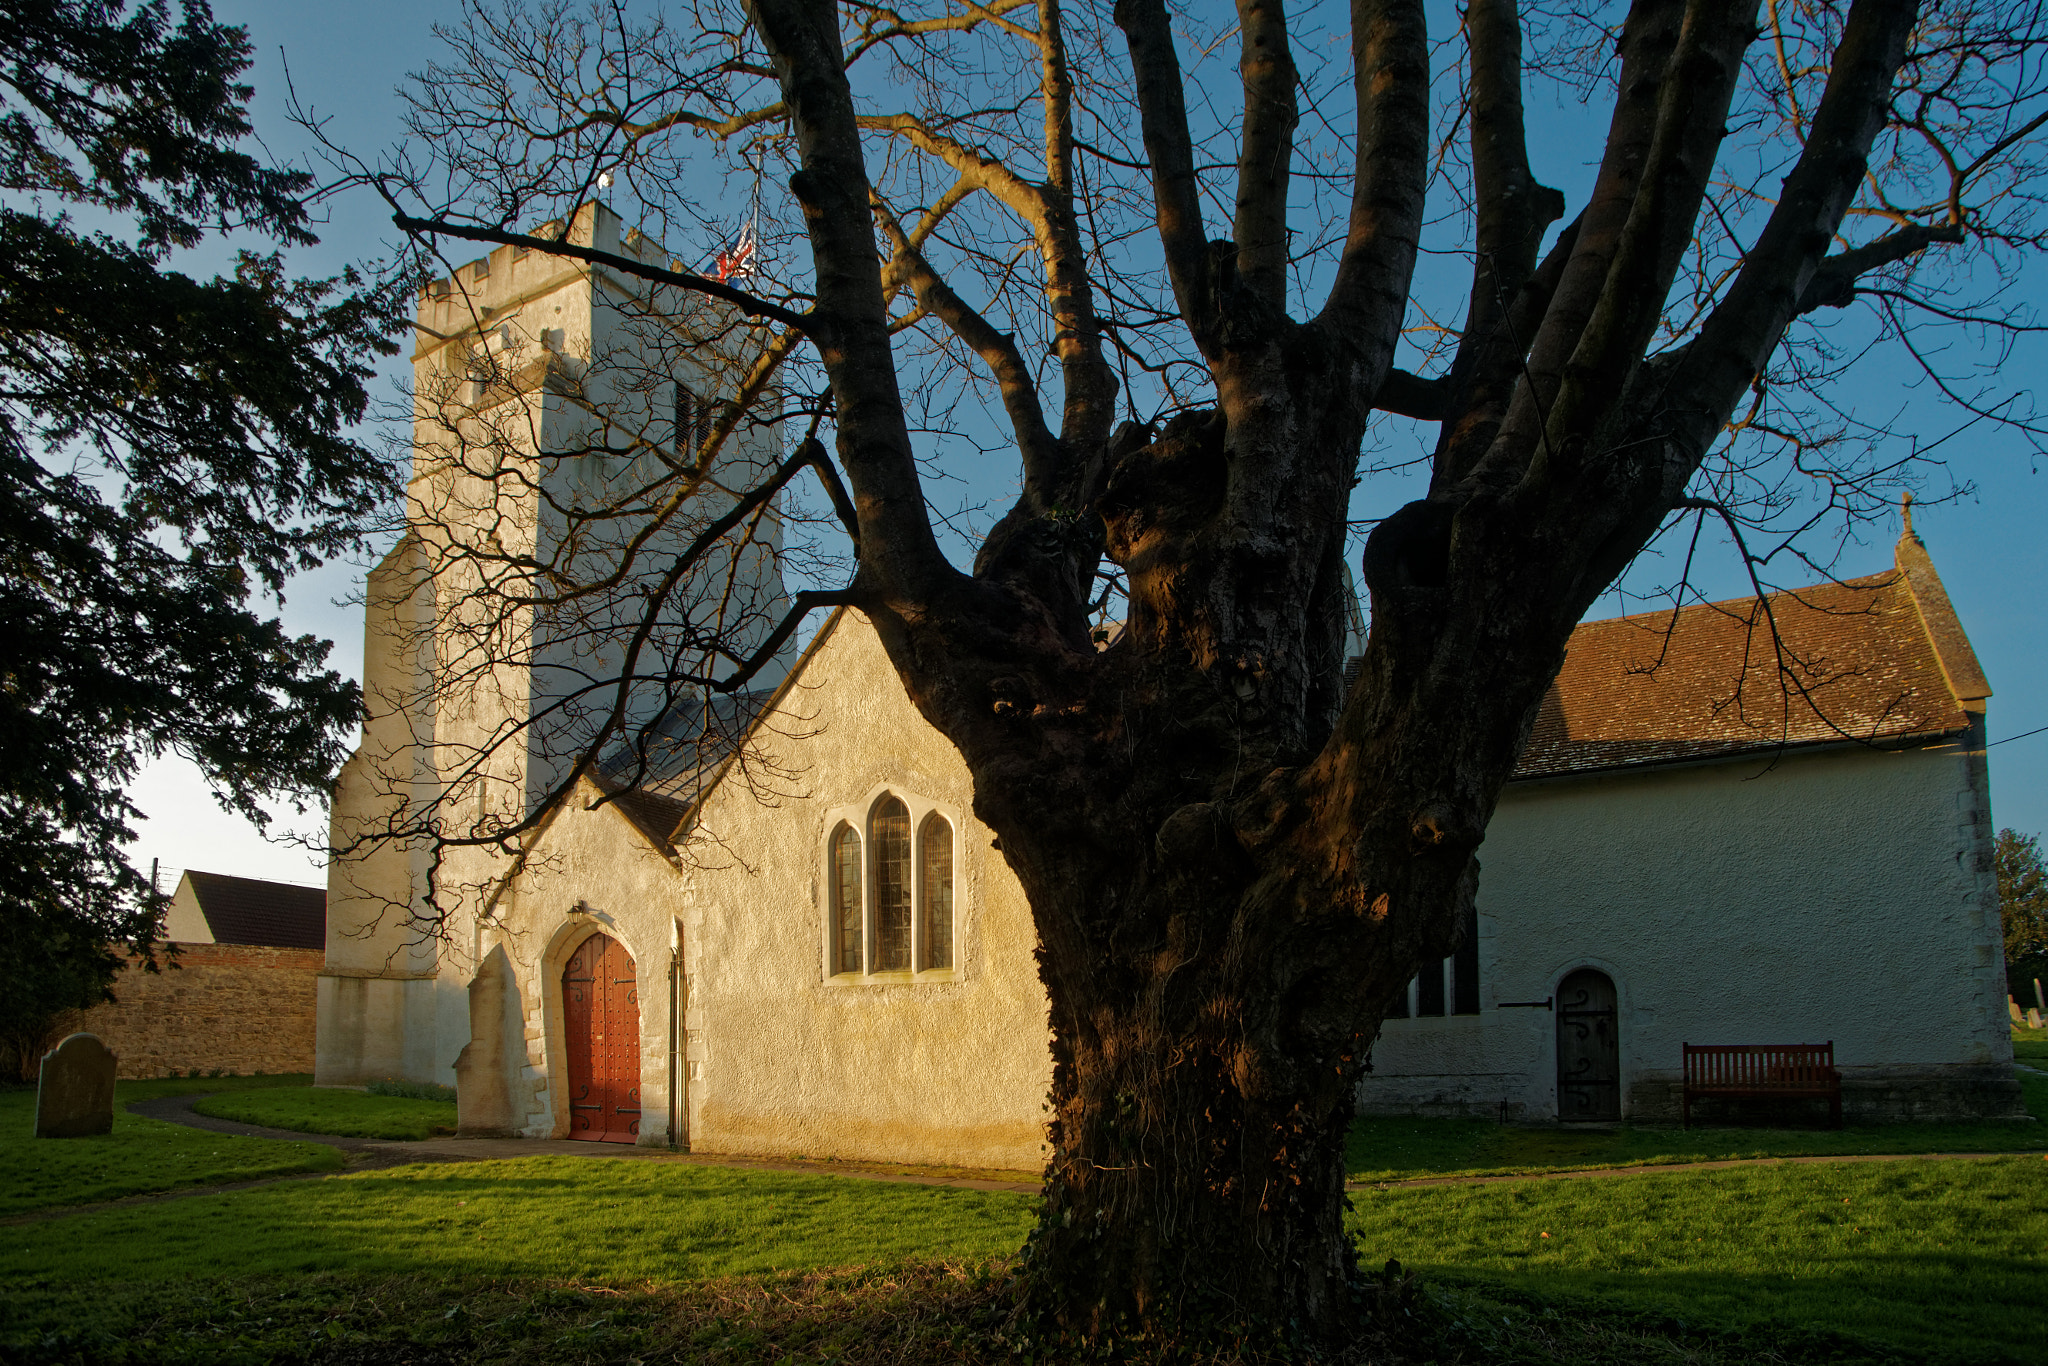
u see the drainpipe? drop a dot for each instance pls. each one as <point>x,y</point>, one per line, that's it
<point>678,1077</point>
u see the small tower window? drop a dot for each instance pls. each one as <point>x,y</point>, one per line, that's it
<point>692,422</point>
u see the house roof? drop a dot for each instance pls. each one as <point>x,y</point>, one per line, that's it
<point>247,910</point>
<point>1871,660</point>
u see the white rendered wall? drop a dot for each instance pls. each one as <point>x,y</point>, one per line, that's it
<point>779,1057</point>
<point>1836,895</point>
<point>950,1067</point>
<point>589,872</point>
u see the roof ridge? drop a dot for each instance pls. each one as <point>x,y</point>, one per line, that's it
<point>1952,649</point>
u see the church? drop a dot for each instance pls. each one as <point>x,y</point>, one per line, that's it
<point>779,930</point>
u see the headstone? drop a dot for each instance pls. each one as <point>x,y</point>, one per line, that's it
<point>75,1097</point>
<point>2014,1007</point>
<point>2040,1001</point>
<point>2033,1017</point>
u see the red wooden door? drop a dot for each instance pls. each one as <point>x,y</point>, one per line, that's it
<point>601,1006</point>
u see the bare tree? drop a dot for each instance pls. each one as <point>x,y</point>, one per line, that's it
<point>1186,293</point>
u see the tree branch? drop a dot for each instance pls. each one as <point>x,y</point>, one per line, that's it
<point>1090,383</point>
<point>747,303</point>
<point>1023,198</point>
<point>1834,283</point>
<point>1390,59</point>
<point>850,322</point>
<point>1512,212</point>
<point>1176,194</point>
<point>1411,395</point>
<point>1738,337</point>
<point>1693,99</point>
<point>1266,66</point>
<point>1649,36</point>
<point>998,350</point>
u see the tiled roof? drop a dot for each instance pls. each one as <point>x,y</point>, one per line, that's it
<point>247,910</point>
<point>1873,659</point>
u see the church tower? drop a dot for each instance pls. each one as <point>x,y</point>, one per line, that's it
<point>575,431</point>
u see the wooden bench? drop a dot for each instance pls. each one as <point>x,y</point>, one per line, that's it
<point>1791,1071</point>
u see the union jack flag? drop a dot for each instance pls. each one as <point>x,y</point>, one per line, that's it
<point>740,260</point>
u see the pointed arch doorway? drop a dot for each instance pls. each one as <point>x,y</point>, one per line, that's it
<point>1588,1049</point>
<point>601,1019</point>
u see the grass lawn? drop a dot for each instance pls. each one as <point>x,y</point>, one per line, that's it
<point>140,1155</point>
<point>1395,1149</point>
<point>1946,1258</point>
<point>618,1222</point>
<point>918,1314</point>
<point>573,1259</point>
<point>2030,1046</point>
<point>352,1114</point>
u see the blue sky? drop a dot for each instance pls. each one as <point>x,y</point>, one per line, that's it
<point>346,58</point>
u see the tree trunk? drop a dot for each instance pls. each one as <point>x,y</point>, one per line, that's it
<point>1233,866</point>
<point>1197,1169</point>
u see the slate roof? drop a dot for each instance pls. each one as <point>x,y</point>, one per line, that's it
<point>1874,660</point>
<point>660,775</point>
<point>247,910</point>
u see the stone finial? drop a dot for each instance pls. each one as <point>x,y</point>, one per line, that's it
<point>75,1096</point>
<point>1906,515</point>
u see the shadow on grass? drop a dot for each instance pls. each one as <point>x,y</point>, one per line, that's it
<point>533,1218</point>
<point>318,1110</point>
<point>1943,1258</point>
<point>915,1314</point>
<point>1393,1149</point>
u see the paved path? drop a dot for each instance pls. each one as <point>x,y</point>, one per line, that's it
<point>373,1153</point>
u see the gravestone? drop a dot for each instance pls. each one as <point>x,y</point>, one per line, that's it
<point>2014,1007</point>
<point>2033,1018</point>
<point>75,1097</point>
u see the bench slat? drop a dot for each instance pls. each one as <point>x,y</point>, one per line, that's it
<point>1762,1070</point>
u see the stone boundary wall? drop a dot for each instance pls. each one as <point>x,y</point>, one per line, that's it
<point>241,1008</point>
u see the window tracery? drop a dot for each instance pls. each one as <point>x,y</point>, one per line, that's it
<point>935,857</point>
<point>892,907</point>
<point>891,828</point>
<point>846,899</point>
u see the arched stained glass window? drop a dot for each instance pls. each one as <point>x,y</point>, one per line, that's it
<point>935,859</point>
<point>891,833</point>
<point>845,900</point>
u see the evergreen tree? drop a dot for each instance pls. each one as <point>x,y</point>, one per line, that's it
<point>2023,905</point>
<point>171,449</point>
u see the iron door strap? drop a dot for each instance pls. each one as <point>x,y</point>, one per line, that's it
<point>1588,1048</point>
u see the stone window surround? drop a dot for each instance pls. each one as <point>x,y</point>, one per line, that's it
<point>860,816</point>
